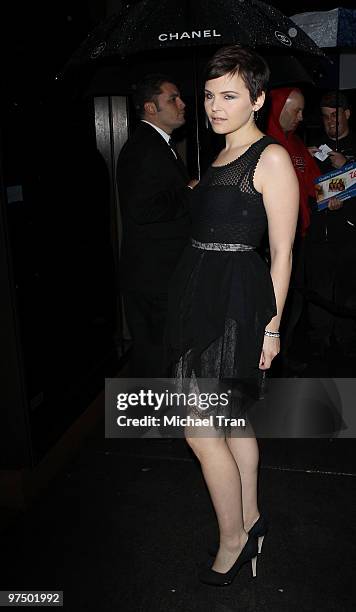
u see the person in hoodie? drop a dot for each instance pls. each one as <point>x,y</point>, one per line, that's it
<point>286,113</point>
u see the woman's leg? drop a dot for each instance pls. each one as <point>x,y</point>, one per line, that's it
<point>222,477</point>
<point>246,456</point>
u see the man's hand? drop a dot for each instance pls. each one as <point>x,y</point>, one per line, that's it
<point>335,204</point>
<point>313,150</point>
<point>192,183</point>
<point>337,159</point>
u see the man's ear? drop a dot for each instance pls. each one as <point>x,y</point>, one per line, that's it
<point>150,108</point>
<point>260,101</point>
<point>347,113</point>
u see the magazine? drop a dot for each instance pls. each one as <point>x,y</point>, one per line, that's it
<point>339,183</point>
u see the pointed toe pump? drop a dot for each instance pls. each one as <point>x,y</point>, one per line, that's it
<point>248,553</point>
<point>258,530</point>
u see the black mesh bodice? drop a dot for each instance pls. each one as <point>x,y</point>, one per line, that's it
<point>226,208</point>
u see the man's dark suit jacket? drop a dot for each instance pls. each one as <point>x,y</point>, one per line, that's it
<point>153,201</point>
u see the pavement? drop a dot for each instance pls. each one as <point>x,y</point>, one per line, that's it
<point>127,526</point>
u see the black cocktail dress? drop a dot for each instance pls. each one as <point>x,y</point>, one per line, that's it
<point>221,296</point>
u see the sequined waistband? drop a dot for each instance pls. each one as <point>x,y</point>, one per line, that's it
<point>220,246</point>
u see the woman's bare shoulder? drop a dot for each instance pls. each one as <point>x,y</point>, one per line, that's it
<point>274,154</point>
<point>273,164</point>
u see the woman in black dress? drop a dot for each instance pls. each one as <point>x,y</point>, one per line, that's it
<point>225,304</point>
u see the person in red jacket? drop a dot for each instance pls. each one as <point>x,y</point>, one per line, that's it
<point>286,113</point>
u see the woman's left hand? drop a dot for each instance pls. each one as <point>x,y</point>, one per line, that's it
<point>271,348</point>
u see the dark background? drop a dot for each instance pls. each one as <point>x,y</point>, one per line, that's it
<point>102,531</point>
<point>65,285</point>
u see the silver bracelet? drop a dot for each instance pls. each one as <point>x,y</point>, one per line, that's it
<point>272,334</point>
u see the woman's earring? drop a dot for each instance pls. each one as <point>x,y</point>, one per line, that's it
<point>255,115</point>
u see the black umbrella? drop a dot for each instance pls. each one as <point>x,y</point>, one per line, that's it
<point>334,30</point>
<point>167,35</point>
<point>166,24</point>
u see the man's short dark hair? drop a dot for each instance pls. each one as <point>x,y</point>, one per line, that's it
<point>148,90</point>
<point>334,99</point>
<point>250,66</point>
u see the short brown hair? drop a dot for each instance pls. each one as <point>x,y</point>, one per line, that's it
<point>334,99</point>
<point>148,90</point>
<point>233,59</point>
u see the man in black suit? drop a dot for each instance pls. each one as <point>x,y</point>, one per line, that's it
<point>153,186</point>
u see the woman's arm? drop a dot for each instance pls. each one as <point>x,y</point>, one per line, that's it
<point>275,178</point>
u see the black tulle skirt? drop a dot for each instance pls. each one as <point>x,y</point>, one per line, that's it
<point>219,305</point>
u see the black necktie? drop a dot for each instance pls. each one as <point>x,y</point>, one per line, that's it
<point>172,145</point>
<point>180,163</point>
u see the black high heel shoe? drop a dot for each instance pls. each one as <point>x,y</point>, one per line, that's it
<point>248,553</point>
<point>258,531</point>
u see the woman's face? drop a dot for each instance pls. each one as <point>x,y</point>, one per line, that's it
<point>228,105</point>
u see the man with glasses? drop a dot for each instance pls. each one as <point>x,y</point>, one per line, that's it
<point>331,240</point>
